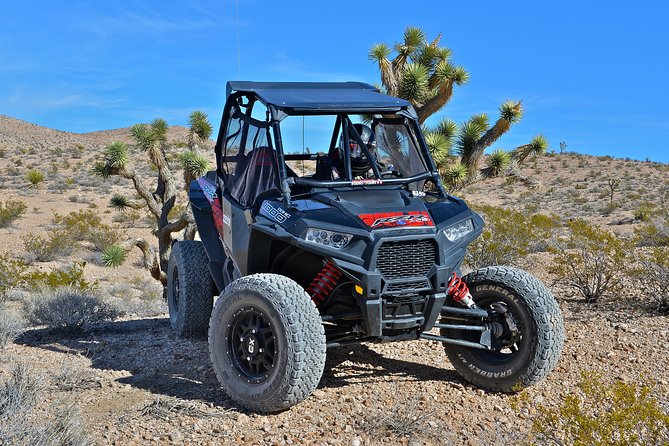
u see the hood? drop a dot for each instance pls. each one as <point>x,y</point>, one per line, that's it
<point>378,209</point>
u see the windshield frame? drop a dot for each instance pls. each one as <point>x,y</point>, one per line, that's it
<point>343,121</point>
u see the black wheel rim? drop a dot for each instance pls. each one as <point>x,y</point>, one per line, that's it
<point>507,344</point>
<point>252,345</point>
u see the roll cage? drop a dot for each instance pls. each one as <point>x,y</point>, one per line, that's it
<point>251,160</point>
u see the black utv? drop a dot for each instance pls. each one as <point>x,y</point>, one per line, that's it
<point>349,239</point>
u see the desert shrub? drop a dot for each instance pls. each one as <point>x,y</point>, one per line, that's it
<point>71,276</point>
<point>509,235</point>
<point>10,326</point>
<point>67,308</point>
<point>644,212</point>
<point>78,224</point>
<point>113,256</point>
<point>614,414</point>
<point>655,232</point>
<point>589,259</point>
<point>10,211</point>
<point>610,207</point>
<point>654,277</point>
<point>35,178</point>
<point>45,249</point>
<point>11,271</point>
<point>25,425</point>
<point>103,236</point>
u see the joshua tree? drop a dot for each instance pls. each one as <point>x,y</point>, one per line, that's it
<point>422,73</point>
<point>152,140</point>
<point>614,183</point>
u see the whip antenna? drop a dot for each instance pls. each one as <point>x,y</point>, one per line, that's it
<point>239,54</point>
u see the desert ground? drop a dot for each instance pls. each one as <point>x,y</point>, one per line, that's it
<point>131,381</point>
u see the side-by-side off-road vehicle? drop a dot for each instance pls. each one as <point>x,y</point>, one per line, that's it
<point>350,239</point>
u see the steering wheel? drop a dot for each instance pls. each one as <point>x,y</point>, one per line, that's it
<point>390,174</point>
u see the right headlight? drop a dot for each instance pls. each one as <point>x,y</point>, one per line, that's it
<point>459,230</point>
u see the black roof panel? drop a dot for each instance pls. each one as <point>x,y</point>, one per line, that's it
<point>320,96</point>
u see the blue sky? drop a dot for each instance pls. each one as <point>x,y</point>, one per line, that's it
<point>592,74</point>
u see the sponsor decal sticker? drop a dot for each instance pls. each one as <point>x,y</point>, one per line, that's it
<point>397,219</point>
<point>273,212</point>
<point>365,182</point>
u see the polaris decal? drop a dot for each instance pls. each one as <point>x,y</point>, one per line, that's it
<point>274,212</point>
<point>396,219</point>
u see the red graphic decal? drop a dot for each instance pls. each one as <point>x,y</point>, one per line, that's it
<point>396,219</point>
<point>217,211</point>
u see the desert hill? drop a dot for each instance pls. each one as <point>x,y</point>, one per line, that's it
<point>132,381</point>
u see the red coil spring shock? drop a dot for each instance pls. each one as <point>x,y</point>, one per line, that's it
<point>459,291</point>
<point>323,284</point>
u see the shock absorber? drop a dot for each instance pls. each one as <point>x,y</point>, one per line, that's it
<point>324,282</point>
<point>459,291</point>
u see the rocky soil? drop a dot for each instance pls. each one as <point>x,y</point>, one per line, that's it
<point>133,382</point>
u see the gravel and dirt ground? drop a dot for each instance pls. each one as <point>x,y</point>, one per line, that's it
<point>133,382</point>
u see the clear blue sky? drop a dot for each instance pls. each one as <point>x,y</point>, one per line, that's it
<point>592,74</point>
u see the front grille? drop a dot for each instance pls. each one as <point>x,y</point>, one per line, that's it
<point>407,287</point>
<point>402,259</point>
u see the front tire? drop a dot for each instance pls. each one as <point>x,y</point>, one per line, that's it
<point>266,342</point>
<point>529,341</point>
<point>190,288</point>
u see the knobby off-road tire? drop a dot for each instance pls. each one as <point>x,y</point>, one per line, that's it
<point>266,342</point>
<point>538,318</point>
<point>190,289</point>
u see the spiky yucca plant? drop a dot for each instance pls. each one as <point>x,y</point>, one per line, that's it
<point>421,71</point>
<point>455,175</point>
<point>498,161</point>
<point>200,128</point>
<point>538,146</point>
<point>194,165</point>
<point>113,256</point>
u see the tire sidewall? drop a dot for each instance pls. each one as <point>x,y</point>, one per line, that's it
<point>220,326</point>
<point>176,312</point>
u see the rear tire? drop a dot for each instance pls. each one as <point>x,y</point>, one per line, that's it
<point>266,342</point>
<point>529,354</point>
<point>190,289</point>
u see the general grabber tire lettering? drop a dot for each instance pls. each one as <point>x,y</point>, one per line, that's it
<point>190,289</point>
<point>538,319</point>
<point>266,342</point>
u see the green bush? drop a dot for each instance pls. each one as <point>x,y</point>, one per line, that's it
<point>654,276</point>
<point>35,178</point>
<point>604,414</point>
<point>644,212</point>
<point>67,308</point>
<point>45,249</point>
<point>78,224</point>
<point>655,232</point>
<point>509,235</point>
<point>589,259</point>
<point>113,256</point>
<point>10,211</point>
<point>11,271</point>
<point>103,236</point>
<point>72,276</point>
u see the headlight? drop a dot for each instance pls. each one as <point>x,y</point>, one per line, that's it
<point>328,238</point>
<point>459,230</point>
